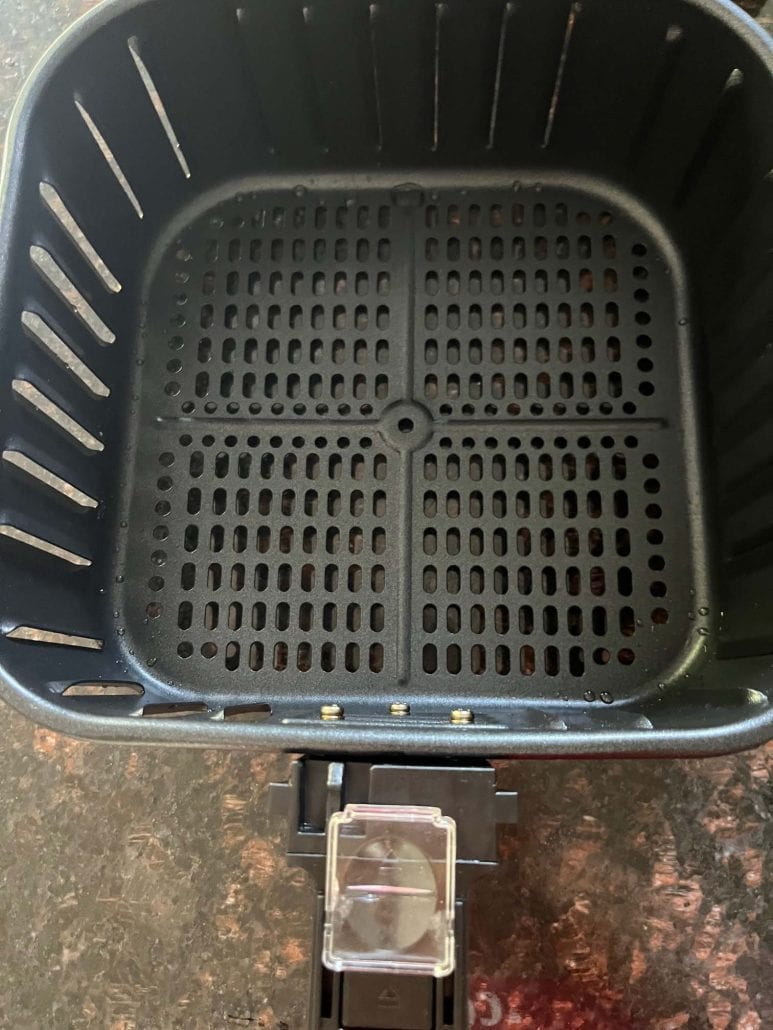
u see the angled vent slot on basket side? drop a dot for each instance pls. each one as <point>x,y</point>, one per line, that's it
<point>109,157</point>
<point>574,12</point>
<point>247,713</point>
<point>507,13</point>
<point>43,475</point>
<point>43,404</point>
<point>43,334</point>
<point>52,272</point>
<point>174,710</point>
<point>158,105</point>
<point>65,218</point>
<point>38,635</point>
<point>22,537</point>
<point>103,690</point>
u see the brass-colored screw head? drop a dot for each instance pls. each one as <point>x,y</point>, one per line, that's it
<point>462,716</point>
<point>331,713</point>
<point>399,708</point>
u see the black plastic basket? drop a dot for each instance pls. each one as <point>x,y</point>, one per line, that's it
<point>365,363</point>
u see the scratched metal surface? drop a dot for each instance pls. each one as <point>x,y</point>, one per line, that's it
<point>146,889</point>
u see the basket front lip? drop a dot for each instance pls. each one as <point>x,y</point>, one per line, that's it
<point>343,739</point>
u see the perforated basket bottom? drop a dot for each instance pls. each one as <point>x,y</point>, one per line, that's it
<point>415,445</point>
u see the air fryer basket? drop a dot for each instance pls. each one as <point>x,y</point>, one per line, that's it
<point>411,352</point>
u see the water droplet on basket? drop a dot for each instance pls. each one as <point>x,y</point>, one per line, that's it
<point>116,614</point>
<point>606,697</point>
<point>691,616</point>
<point>703,631</point>
<point>517,184</point>
<point>300,191</point>
<point>119,579</point>
<point>124,524</point>
<point>703,611</point>
<point>683,321</point>
<point>589,695</point>
<point>121,631</point>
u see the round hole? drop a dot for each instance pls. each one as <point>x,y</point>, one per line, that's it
<point>625,656</point>
<point>646,389</point>
<point>446,409</point>
<point>631,441</point>
<point>490,409</point>
<point>172,389</point>
<point>638,249</point>
<point>185,649</point>
<point>601,656</point>
<point>232,408</point>
<point>321,441</point>
<point>658,588</point>
<point>276,441</point>
<point>160,533</point>
<point>643,341</point>
<point>468,442</point>
<point>583,442</point>
<point>629,408</point>
<point>366,409</point>
<point>299,409</point>
<point>188,408</point>
<point>514,442</point>
<point>253,441</point>
<point>277,409</point>
<point>513,409</point>
<point>343,442</point>
<point>255,409</point>
<point>406,425</point>
<point>210,407</point>
<point>606,408</point>
<point>640,272</point>
<point>298,441</point>
<point>560,442</point>
<point>537,443</point>
<point>208,650</point>
<point>583,218</point>
<point>650,461</point>
<point>491,442</point>
<point>208,440</point>
<point>163,508</point>
<point>165,483</point>
<point>174,366</point>
<point>536,409</point>
<point>607,442</point>
<point>158,558</point>
<point>559,409</point>
<point>344,409</point>
<point>582,408</point>
<point>321,409</point>
<point>366,442</point>
<point>231,441</point>
<point>642,318</point>
<point>166,459</point>
<point>659,616</point>
<point>653,511</point>
<point>641,296</point>
<point>644,365</point>
<point>153,610</point>
<point>657,563</point>
<point>468,409</point>
<point>606,218</point>
<point>176,343</point>
<point>652,486</point>
<point>654,536</point>
<point>156,583</point>
<point>186,440</point>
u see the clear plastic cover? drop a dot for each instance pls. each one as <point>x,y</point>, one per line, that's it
<point>389,899</point>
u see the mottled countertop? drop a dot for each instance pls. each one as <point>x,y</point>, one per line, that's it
<point>147,889</point>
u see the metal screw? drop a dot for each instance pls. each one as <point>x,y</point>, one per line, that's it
<point>461,716</point>
<point>331,713</point>
<point>399,708</point>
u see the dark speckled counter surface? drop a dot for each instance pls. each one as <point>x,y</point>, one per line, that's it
<point>147,889</point>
